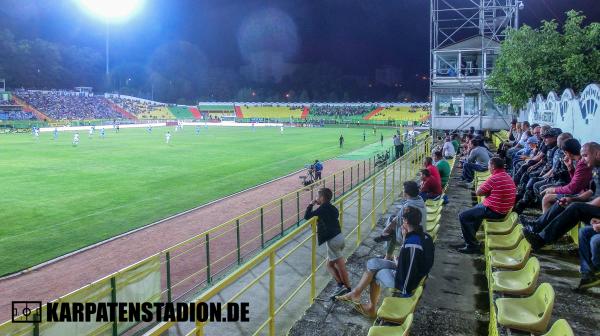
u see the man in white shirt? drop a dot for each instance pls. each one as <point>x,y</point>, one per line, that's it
<point>448,149</point>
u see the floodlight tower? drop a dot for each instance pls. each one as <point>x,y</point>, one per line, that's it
<point>465,38</point>
<point>110,11</point>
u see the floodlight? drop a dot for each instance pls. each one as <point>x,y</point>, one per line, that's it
<point>110,10</point>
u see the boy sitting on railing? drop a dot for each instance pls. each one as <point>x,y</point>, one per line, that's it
<point>330,233</point>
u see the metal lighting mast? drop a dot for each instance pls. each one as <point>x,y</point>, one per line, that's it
<point>465,38</point>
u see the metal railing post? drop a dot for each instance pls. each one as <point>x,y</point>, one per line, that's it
<point>351,176</point>
<point>313,261</point>
<point>168,266</point>
<point>262,228</point>
<point>373,206</point>
<point>341,213</point>
<point>208,280</point>
<point>394,180</point>
<point>343,181</point>
<point>281,214</point>
<point>113,299</point>
<point>272,294</point>
<point>237,234</point>
<point>334,196</point>
<point>359,215</point>
<point>298,207</point>
<point>385,195</point>
<point>364,170</point>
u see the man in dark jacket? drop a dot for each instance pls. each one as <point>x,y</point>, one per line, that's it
<point>414,262</point>
<point>330,233</point>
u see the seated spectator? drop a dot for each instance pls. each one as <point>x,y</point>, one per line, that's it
<point>430,186</point>
<point>477,160</point>
<point>569,211</point>
<point>589,255</point>
<point>391,233</point>
<point>558,174</point>
<point>519,143</point>
<point>442,166</point>
<point>428,164</point>
<point>448,150</point>
<point>455,143</point>
<point>413,264</point>
<point>499,191</point>
<point>525,192</point>
<point>579,171</point>
<point>526,153</point>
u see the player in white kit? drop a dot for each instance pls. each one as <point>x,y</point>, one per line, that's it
<point>168,137</point>
<point>76,139</point>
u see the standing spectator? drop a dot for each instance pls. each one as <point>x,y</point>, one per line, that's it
<point>397,144</point>
<point>341,141</point>
<point>381,139</point>
<point>330,233</point>
<point>499,191</point>
<point>318,169</point>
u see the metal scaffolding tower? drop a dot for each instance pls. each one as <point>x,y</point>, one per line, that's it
<point>472,30</point>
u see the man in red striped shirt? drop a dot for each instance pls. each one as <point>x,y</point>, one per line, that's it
<point>500,192</point>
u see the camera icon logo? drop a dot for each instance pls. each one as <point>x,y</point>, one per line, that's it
<point>26,311</point>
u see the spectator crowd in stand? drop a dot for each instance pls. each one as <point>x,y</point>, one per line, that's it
<point>69,105</point>
<point>135,106</point>
<point>340,110</point>
<point>547,177</point>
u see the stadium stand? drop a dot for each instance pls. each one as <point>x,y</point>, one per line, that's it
<point>181,112</point>
<point>409,113</point>
<point>10,110</point>
<point>271,111</point>
<point>195,112</point>
<point>340,111</point>
<point>68,105</point>
<point>143,109</point>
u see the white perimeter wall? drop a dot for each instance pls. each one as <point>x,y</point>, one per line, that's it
<point>569,112</point>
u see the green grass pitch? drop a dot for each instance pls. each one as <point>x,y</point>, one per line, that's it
<point>57,198</point>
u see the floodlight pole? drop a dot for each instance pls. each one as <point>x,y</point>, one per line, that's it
<point>107,49</point>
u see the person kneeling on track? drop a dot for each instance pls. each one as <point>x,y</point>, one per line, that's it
<point>414,262</point>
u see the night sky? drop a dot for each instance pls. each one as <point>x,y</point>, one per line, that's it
<point>358,35</point>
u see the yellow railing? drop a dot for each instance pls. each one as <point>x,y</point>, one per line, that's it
<point>190,268</point>
<point>358,209</point>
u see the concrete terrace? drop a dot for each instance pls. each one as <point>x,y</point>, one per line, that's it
<point>455,300</point>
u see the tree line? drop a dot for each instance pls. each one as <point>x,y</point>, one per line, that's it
<point>179,72</point>
<point>537,61</point>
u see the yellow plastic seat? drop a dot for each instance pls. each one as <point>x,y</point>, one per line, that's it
<point>434,231</point>
<point>433,213</point>
<point>560,328</point>
<point>397,309</point>
<point>433,209</point>
<point>574,233</point>
<point>434,203</point>
<point>505,242</point>
<point>503,226</point>
<point>531,314</point>
<point>401,330</point>
<point>433,222</point>
<point>511,259</point>
<point>519,282</point>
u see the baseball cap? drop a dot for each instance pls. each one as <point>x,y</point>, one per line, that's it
<point>533,140</point>
<point>552,133</point>
<point>572,146</point>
